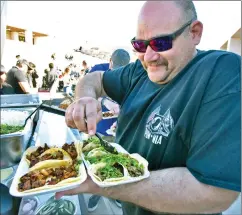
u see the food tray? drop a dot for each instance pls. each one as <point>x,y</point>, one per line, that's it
<point>13,145</point>
<point>130,180</point>
<point>54,132</point>
<point>110,117</point>
<point>31,100</point>
<point>23,168</point>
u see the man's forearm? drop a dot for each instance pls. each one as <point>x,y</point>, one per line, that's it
<point>173,190</point>
<point>90,86</point>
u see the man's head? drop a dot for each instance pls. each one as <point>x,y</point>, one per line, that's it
<point>51,65</point>
<point>84,64</point>
<point>164,58</point>
<point>119,58</point>
<point>2,75</point>
<point>18,57</point>
<point>23,65</point>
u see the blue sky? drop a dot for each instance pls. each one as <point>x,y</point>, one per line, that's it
<point>111,21</point>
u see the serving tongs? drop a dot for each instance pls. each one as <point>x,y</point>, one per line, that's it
<point>107,146</point>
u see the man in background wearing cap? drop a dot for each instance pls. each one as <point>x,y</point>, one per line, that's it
<point>16,77</point>
<point>4,87</point>
<point>119,58</point>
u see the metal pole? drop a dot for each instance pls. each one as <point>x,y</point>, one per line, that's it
<point>3,25</point>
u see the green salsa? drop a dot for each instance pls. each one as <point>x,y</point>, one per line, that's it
<point>110,171</point>
<point>8,129</point>
<point>134,168</point>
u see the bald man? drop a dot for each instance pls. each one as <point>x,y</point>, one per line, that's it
<point>180,110</point>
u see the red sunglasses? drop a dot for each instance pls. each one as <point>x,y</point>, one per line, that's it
<point>160,43</point>
<point>1,73</point>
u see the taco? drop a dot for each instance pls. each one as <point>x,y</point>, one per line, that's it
<point>111,167</point>
<point>45,157</point>
<point>47,178</point>
<point>109,172</point>
<point>97,152</point>
<point>90,144</point>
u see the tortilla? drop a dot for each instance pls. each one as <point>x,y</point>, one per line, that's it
<point>52,163</point>
<point>129,171</point>
<point>95,167</point>
<point>67,160</point>
<point>89,147</point>
<point>96,152</point>
<point>81,173</point>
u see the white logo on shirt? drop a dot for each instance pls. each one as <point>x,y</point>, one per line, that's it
<point>158,126</point>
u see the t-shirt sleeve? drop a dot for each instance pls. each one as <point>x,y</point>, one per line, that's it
<point>214,154</point>
<point>19,75</point>
<point>117,82</point>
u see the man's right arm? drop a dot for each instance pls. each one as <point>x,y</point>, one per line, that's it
<point>86,111</point>
<point>90,85</point>
<point>26,88</point>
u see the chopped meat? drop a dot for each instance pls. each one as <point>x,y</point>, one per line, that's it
<point>47,156</point>
<point>73,174</point>
<point>59,155</point>
<point>58,172</point>
<point>27,185</point>
<point>69,169</point>
<point>25,178</point>
<point>53,181</point>
<point>33,162</point>
<point>107,114</point>
<point>44,172</point>
<point>33,157</point>
<point>70,149</point>
<point>50,171</point>
<point>39,183</point>
<point>20,186</point>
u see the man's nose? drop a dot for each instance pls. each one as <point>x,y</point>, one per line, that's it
<point>150,55</point>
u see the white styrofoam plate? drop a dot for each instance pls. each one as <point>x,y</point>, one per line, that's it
<point>111,132</point>
<point>126,181</point>
<point>23,168</point>
<point>54,132</point>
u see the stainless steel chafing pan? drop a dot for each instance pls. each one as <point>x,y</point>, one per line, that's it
<point>13,145</point>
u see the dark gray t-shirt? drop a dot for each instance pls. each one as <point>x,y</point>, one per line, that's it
<point>14,76</point>
<point>193,121</point>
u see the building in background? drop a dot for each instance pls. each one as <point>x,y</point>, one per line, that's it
<point>3,24</point>
<point>233,43</point>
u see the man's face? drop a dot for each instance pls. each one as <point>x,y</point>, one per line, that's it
<point>161,18</point>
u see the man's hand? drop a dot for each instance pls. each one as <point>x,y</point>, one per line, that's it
<point>84,114</point>
<point>87,187</point>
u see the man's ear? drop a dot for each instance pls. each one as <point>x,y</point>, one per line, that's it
<point>196,30</point>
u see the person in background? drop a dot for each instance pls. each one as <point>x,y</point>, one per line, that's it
<point>53,57</point>
<point>44,79</point>
<point>67,81</point>
<point>52,75</point>
<point>5,88</point>
<point>99,67</point>
<point>35,75</point>
<point>85,67</point>
<point>18,57</point>
<point>119,58</point>
<point>180,110</point>
<point>29,75</point>
<point>16,77</point>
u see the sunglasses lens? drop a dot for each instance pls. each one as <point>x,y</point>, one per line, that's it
<point>139,46</point>
<point>1,73</point>
<point>161,44</point>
